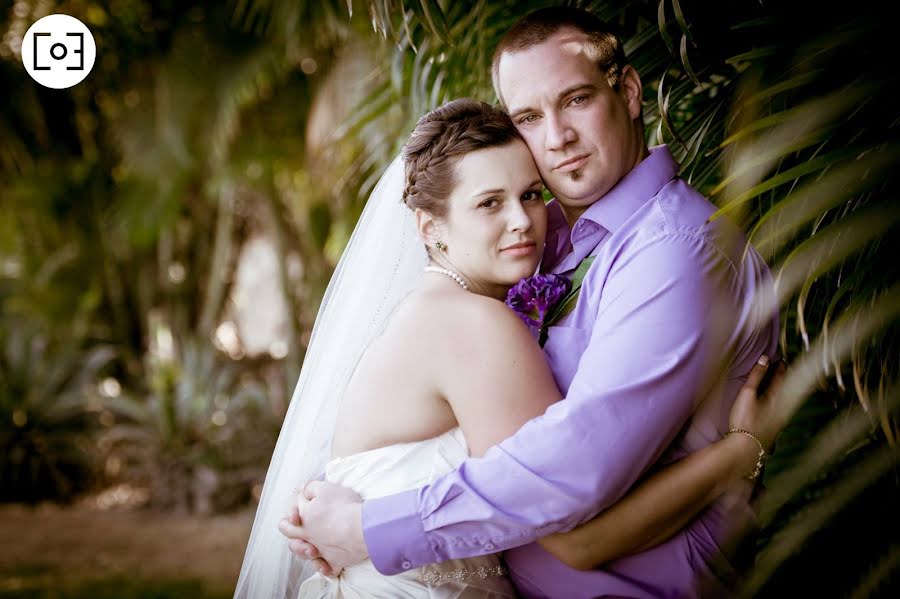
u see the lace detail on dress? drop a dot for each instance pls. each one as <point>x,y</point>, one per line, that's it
<point>435,577</point>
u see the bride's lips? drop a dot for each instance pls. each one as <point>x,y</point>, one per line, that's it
<point>574,163</point>
<point>525,248</point>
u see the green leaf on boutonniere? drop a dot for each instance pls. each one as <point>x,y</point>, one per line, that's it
<point>568,302</point>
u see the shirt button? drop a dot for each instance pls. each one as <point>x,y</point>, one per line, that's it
<point>489,546</point>
<point>406,565</point>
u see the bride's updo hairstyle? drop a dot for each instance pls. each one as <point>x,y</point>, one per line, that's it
<point>441,138</point>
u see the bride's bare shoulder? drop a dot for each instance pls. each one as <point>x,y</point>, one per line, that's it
<point>452,313</point>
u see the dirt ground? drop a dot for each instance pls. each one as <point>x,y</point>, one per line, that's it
<point>51,546</point>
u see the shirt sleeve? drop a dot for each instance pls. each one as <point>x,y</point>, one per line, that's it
<point>652,354</point>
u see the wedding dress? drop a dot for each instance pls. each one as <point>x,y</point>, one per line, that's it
<point>388,470</point>
<point>380,266</point>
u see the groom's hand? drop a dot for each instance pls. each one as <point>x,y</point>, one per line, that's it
<point>329,527</point>
<point>290,527</point>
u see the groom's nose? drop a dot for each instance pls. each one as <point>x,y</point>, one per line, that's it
<point>558,133</point>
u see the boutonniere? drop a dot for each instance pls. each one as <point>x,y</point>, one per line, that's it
<point>544,299</point>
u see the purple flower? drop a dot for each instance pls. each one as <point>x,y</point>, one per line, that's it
<point>534,297</point>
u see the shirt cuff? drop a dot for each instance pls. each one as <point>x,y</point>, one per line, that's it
<point>394,533</point>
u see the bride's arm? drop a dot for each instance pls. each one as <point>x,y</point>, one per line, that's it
<point>491,372</point>
<point>499,380</point>
<point>654,510</point>
<point>663,504</point>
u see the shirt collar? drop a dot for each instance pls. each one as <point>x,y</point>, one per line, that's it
<point>634,189</point>
<point>556,244</point>
<point>612,210</point>
<point>556,220</point>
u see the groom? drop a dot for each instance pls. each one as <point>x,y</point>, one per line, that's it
<point>667,326</point>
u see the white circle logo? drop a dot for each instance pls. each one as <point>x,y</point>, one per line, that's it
<point>58,51</point>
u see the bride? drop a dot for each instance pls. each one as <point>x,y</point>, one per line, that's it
<point>409,372</point>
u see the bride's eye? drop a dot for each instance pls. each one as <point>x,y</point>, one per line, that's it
<point>489,203</point>
<point>531,195</point>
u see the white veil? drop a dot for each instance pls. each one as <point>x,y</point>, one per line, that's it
<point>378,269</point>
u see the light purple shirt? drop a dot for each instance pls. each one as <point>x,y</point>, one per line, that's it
<point>668,325</point>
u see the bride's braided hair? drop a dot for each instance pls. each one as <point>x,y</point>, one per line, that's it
<point>441,138</point>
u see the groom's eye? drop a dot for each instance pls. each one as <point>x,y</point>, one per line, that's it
<point>577,100</point>
<point>528,119</point>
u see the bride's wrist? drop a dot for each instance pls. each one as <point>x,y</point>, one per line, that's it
<point>748,454</point>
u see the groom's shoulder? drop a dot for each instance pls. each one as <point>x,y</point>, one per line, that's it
<point>682,208</point>
<point>685,212</point>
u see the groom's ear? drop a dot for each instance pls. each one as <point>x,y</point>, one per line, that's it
<point>631,90</point>
<point>428,226</point>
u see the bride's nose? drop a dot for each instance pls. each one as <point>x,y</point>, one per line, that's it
<point>518,218</point>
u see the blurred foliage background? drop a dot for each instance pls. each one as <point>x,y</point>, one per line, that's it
<point>169,225</point>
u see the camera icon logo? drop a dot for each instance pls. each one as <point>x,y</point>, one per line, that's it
<point>58,51</point>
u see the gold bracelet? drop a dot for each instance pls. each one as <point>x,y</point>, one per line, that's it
<point>760,459</point>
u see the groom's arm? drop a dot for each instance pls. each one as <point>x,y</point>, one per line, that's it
<point>651,352</point>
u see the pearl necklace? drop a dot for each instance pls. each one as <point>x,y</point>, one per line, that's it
<point>449,273</point>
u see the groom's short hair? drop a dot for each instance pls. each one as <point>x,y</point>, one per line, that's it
<point>540,25</point>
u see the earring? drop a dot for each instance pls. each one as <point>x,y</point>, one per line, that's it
<point>440,245</point>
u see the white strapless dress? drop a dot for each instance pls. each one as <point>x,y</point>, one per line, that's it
<point>389,470</point>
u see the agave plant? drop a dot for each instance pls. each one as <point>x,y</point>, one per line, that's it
<point>50,358</point>
<point>200,437</point>
<point>46,436</point>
